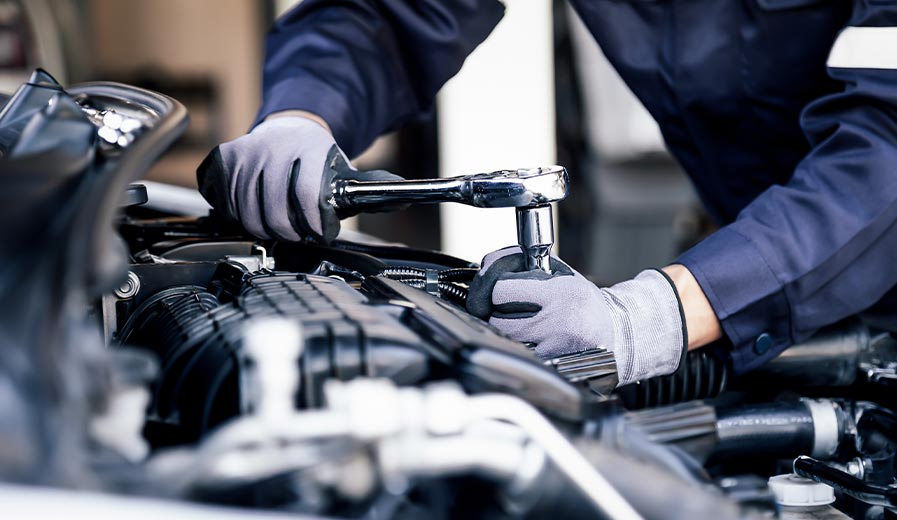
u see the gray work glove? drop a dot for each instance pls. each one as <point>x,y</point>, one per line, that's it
<point>275,181</point>
<point>639,320</point>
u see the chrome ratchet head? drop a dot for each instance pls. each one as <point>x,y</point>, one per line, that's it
<point>523,188</point>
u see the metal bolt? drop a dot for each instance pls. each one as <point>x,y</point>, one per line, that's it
<point>129,288</point>
<point>855,468</point>
<point>728,482</point>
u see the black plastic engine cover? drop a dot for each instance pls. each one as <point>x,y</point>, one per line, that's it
<point>198,340</point>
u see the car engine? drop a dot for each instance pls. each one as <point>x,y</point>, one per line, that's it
<point>160,361</point>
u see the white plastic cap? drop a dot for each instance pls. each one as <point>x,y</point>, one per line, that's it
<point>792,490</point>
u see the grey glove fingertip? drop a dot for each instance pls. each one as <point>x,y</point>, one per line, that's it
<point>209,175</point>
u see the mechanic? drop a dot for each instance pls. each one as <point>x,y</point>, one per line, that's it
<point>782,112</point>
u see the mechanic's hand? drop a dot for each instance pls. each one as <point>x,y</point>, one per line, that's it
<point>639,320</point>
<point>275,181</point>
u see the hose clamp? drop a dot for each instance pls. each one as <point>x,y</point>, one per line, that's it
<point>826,433</point>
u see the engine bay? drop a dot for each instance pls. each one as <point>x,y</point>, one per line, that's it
<point>149,352</point>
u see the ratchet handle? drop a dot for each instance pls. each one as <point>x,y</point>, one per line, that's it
<point>523,188</point>
<point>372,195</point>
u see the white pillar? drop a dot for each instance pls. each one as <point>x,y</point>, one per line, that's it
<point>498,113</point>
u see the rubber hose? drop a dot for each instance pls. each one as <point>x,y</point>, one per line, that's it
<point>783,429</point>
<point>405,272</point>
<point>458,275</point>
<point>450,291</point>
<point>453,292</point>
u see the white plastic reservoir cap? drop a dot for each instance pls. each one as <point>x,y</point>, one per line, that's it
<point>792,490</point>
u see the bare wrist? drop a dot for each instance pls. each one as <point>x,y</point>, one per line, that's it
<point>700,320</point>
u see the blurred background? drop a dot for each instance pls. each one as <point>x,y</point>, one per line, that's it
<point>538,92</point>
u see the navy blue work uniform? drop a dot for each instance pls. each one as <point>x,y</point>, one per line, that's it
<point>783,113</point>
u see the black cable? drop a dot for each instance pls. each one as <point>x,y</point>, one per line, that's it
<point>873,494</point>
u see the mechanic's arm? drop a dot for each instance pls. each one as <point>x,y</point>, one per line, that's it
<point>367,66</point>
<point>822,247</point>
<point>799,257</point>
<point>336,73</point>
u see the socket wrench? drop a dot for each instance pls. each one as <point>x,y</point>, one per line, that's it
<point>530,190</point>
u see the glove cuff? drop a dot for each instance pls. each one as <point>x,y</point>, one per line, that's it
<point>681,318</point>
<point>649,327</point>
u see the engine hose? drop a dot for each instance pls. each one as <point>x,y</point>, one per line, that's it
<point>782,429</point>
<point>405,272</point>
<point>450,291</point>
<point>447,284</point>
<point>453,292</point>
<point>464,275</point>
<point>458,275</point>
<point>704,374</point>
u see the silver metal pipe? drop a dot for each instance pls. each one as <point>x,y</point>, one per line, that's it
<point>590,482</point>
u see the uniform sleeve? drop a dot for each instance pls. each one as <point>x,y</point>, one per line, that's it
<point>367,66</point>
<point>824,246</point>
